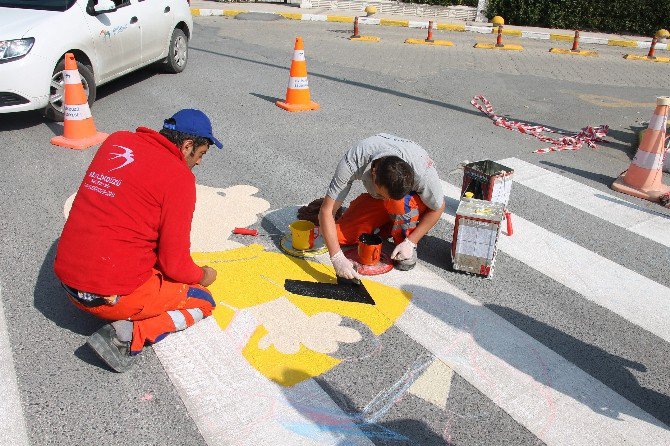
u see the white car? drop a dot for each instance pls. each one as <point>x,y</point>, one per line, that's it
<point>109,38</point>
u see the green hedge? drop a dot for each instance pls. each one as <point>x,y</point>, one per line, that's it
<point>643,17</point>
<point>443,2</point>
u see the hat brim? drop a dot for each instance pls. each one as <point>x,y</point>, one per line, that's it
<point>216,142</point>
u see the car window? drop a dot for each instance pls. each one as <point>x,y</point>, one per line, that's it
<point>45,5</point>
<point>121,3</point>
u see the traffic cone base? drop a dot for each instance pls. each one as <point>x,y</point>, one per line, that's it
<point>434,42</point>
<point>298,107</point>
<point>79,143</point>
<point>366,38</point>
<point>574,53</point>
<point>79,130</point>
<point>620,185</point>
<point>493,46</point>
<point>647,58</point>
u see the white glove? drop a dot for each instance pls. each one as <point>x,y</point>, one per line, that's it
<point>343,266</point>
<point>404,250</point>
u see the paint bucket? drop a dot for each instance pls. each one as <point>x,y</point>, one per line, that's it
<point>369,249</point>
<point>303,233</point>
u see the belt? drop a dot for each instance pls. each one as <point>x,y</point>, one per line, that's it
<point>87,299</point>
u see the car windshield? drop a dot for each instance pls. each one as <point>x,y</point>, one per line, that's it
<point>45,5</point>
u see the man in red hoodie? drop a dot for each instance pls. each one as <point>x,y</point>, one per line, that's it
<point>124,254</point>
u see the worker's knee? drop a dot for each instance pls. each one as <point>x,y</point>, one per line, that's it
<point>204,298</point>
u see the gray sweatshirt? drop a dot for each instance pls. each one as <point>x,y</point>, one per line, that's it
<point>357,164</point>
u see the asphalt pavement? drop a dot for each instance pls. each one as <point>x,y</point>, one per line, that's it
<point>565,344</point>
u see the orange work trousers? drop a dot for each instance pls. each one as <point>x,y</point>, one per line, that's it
<point>395,218</point>
<point>157,308</point>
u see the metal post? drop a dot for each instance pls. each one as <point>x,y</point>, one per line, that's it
<point>575,42</point>
<point>430,31</point>
<point>499,40</point>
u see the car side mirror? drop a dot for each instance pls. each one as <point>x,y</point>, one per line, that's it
<point>100,7</point>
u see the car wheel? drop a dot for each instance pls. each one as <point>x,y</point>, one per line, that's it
<point>54,110</point>
<point>177,53</point>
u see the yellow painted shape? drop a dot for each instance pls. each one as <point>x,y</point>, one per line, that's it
<point>366,38</point>
<point>232,12</point>
<point>451,27</point>
<point>434,42</point>
<point>286,370</point>
<point>223,315</point>
<point>614,42</point>
<point>195,11</point>
<point>492,46</point>
<point>574,53</point>
<point>647,59</point>
<point>612,102</point>
<point>250,276</point>
<point>509,32</point>
<point>339,18</point>
<point>561,37</point>
<point>291,15</point>
<point>389,22</point>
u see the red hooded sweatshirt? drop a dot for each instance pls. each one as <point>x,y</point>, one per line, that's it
<point>132,212</point>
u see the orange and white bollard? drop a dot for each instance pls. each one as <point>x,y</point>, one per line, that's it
<point>356,35</point>
<point>429,39</point>
<point>575,41</point>
<point>652,48</point>
<point>499,39</point>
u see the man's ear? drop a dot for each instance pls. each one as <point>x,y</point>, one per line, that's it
<point>186,147</point>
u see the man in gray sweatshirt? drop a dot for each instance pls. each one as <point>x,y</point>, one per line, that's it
<point>404,199</point>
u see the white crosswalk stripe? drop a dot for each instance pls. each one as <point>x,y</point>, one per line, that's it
<point>12,424</point>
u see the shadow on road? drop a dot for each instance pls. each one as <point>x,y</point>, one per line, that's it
<point>49,299</point>
<point>611,370</point>
<point>348,423</point>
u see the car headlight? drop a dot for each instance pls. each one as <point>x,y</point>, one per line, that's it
<point>13,49</point>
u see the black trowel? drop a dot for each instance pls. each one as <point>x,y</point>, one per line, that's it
<point>347,290</point>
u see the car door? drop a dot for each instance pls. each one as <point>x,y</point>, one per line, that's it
<point>156,23</point>
<point>118,40</point>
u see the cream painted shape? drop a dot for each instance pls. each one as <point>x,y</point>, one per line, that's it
<point>288,327</point>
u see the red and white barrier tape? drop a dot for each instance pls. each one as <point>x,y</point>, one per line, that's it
<point>588,135</point>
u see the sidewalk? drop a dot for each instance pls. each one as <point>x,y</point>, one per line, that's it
<point>294,12</point>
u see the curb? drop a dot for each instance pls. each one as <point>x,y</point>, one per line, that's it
<point>443,26</point>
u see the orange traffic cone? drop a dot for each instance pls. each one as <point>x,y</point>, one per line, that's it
<point>644,177</point>
<point>78,129</point>
<point>297,93</point>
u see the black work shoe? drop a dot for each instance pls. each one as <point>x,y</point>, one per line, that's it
<point>107,346</point>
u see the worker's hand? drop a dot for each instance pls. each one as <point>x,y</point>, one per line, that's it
<point>208,277</point>
<point>343,266</point>
<point>404,250</point>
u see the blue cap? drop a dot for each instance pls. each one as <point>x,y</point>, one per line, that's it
<point>192,122</point>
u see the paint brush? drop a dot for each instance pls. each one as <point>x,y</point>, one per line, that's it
<point>252,232</point>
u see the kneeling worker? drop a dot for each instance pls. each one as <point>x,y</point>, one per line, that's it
<point>124,254</point>
<point>404,199</point>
